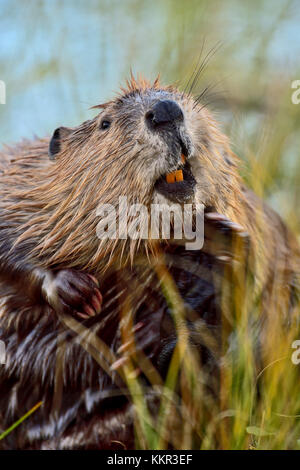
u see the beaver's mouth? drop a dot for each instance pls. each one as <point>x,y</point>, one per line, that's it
<point>178,186</point>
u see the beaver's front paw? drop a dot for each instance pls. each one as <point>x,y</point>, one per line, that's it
<point>224,239</point>
<point>141,345</point>
<point>70,291</point>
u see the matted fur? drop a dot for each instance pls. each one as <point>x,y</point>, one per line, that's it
<point>48,219</point>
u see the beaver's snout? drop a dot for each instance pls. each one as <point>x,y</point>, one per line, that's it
<point>166,120</point>
<point>164,113</point>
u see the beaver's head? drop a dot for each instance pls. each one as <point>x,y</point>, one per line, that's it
<point>149,141</point>
<point>150,144</point>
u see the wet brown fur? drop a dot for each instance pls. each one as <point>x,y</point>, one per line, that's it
<point>49,209</point>
<point>52,209</point>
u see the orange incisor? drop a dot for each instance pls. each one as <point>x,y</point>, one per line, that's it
<point>176,175</point>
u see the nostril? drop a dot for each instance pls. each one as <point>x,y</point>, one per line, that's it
<point>150,116</point>
<point>163,113</point>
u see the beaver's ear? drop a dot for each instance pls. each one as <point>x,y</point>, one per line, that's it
<point>55,143</point>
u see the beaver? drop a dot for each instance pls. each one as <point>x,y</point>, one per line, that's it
<point>62,349</point>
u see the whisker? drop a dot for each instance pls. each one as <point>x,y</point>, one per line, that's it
<point>210,102</point>
<point>203,65</point>
<point>207,93</point>
<point>196,67</point>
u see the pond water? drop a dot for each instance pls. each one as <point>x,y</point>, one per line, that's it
<point>59,58</point>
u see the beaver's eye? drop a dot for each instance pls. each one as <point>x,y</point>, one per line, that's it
<point>105,124</point>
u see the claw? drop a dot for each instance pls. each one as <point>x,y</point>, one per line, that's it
<point>96,304</point>
<point>94,279</point>
<point>125,347</point>
<point>215,216</point>
<point>119,363</point>
<point>138,326</point>
<point>83,315</point>
<point>89,310</point>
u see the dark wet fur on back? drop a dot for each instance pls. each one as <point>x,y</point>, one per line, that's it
<point>91,403</point>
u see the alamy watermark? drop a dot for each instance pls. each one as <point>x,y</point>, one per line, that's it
<point>296,354</point>
<point>296,94</point>
<point>2,352</point>
<point>161,221</point>
<point>2,92</point>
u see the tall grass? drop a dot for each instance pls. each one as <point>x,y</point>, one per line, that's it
<point>259,400</point>
<point>257,404</point>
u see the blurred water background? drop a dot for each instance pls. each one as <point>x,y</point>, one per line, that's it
<point>58,58</point>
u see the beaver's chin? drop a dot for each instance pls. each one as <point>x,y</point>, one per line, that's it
<point>178,186</point>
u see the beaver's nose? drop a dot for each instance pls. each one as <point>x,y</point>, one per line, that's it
<point>164,112</point>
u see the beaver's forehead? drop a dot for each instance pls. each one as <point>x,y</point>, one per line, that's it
<point>140,99</point>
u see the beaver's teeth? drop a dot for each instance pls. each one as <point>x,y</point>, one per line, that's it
<point>179,175</point>
<point>176,175</point>
<point>170,177</point>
